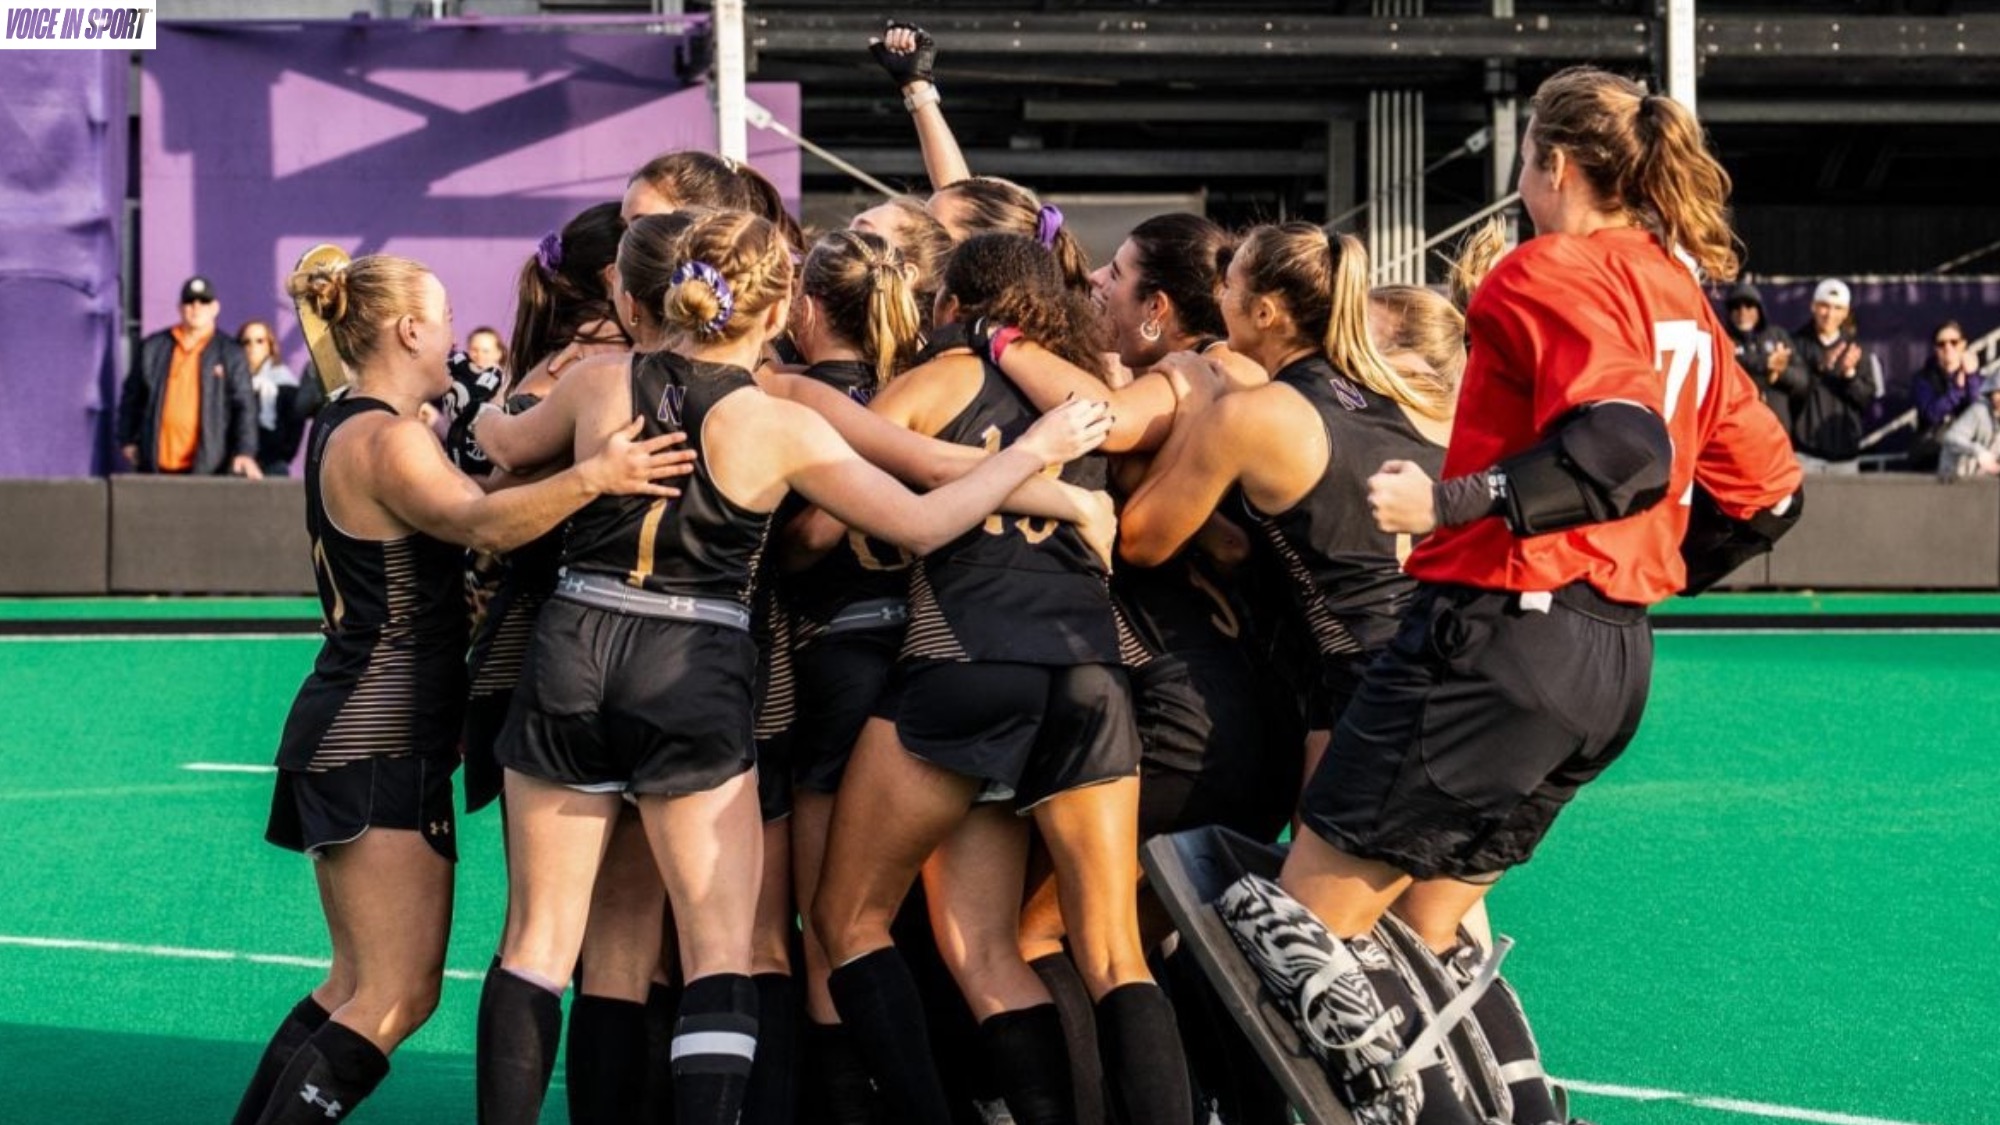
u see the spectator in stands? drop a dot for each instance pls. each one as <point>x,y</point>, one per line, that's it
<point>1842,381</point>
<point>280,426</point>
<point>187,405</point>
<point>1947,384</point>
<point>1971,443</point>
<point>486,350</point>
<point>1765,351</point>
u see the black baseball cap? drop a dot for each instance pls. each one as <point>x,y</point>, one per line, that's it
<point>197,288</point>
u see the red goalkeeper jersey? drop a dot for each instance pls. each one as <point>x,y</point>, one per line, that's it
<point>1564,321</point>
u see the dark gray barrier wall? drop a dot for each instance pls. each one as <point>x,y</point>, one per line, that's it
<point>55,536</point>
<point>208,535</point>
<point>173,535</point>
<point>1892,531</point>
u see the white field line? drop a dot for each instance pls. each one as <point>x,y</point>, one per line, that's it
<point>227,767</point>
<point>182,953</point>
<point>1632,1093</point>
<point>1729,1105</point>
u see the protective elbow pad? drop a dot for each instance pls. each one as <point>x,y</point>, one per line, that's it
<point>1715,545</point>
<point>1604,462</point>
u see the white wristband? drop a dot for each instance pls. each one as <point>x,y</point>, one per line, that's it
<point>928,95</point>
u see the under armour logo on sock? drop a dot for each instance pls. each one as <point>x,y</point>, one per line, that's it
<point>311,1094</point>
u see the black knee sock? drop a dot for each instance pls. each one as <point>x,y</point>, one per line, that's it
<point>773,1095</point>
<point>715,1043</point>
<point>1079,1028</point>
<point>837,1090</point>
<point>520,1024</point>
<point>1028,1055</point>
<point>1144,1066</point>
<point>328,1076</point>
<point>305,1018</point>
<point>878,1002</point>
<point>604,1061</point>
<point>663,1007</point>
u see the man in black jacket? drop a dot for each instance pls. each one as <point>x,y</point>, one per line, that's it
<point>1765,351</point>
<point>187,406</point>
<point>1842,381</point>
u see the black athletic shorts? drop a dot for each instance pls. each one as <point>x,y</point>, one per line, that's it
<point>1477,725</point>
<point>1329,686</point>
<point>311,811</point>
<point>615,702</point>
<point>1209,755</point>
<point>1029,731</point>
<point>841,679</point>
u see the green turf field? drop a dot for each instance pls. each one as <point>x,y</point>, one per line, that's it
<point>1782,896</point>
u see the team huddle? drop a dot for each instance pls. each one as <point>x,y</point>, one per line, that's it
<point>846,613</point>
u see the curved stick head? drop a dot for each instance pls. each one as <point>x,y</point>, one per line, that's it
<point>333,373</point>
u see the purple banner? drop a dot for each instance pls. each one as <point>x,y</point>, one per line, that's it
<point>62,189</point>
<point>456,143</point>
<point>1897,317</point>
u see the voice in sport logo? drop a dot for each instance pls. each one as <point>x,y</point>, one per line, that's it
<point>47,27</point>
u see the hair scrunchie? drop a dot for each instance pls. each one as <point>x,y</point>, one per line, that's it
<point>1048,221</point>
<point>549,254</point>
<point>725,298</point>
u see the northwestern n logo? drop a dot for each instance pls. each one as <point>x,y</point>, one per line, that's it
<point>671,400</point>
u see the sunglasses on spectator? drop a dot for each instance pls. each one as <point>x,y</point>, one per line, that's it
<point>1949,342</point>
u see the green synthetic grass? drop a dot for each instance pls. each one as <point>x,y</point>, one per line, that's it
<point>156,609</point>
<point>1783,894</point>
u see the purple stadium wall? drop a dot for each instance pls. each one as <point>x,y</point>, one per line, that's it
<point>62,187</point>
<point>457,143</point>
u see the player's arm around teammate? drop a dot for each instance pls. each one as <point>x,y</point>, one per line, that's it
<point>1598,394</point>
<point>365,766</point>
<point>673,727</point>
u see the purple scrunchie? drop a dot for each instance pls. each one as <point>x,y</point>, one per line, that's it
<point>725,299</point>
<point>549,254</point>
<point>1048,221</point>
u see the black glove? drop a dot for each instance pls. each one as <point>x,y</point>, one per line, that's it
<point>906,68</point>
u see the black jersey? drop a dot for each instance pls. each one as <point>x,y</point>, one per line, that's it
<point>1016,589</point>
<point>1179,606</point>
<point>390,677</point>
<point>860,567</point>
<point>1346,574</point>
<point>700,544</point>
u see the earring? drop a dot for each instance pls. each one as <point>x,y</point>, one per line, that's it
<point>1150,331</point>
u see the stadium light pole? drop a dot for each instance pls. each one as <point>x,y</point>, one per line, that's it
<point>732,137</point>
<point>1680,20</point>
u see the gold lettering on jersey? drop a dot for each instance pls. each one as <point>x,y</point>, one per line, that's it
<point>326,569</point>
<point>1033,530</point>
<point>1224,617</point>
<point>649,531</point>
<point>864,553</point>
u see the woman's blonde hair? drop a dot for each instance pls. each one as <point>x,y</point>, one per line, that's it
<point>748,269</point>
<point>861,286</point>
<point>357,298</point>
<point>1643,153</point>
<point>1423,323</point>
<point>1322,281</point>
